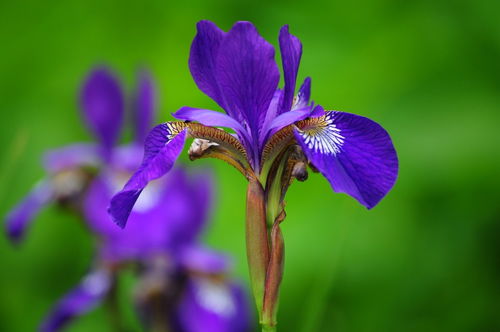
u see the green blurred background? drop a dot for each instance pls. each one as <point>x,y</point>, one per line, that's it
<point>425,259</point>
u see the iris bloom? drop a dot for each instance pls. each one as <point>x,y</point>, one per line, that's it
<point>182,286</point>
<point>274,134</point>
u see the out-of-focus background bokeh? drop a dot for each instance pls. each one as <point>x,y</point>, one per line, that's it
<point>425,259</point>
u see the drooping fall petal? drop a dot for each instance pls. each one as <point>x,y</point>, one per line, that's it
<point>22,215</point>
<point>162,148</point>
<point>354,153</point>
<point>78,301</point>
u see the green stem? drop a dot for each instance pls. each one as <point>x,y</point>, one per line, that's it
<point>113,307</point>
<point>268,328</point>
<point>257,241</point>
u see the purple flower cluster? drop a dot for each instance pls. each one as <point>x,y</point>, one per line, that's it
<point>162,241</point>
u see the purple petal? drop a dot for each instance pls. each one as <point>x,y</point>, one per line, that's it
<point>168,216</point>
<point>291,51</point>
<point>247,75</point>
<point>202,59</point>
<point>354,153</point>
<point>161,149</point>
<point>204,260</point>
<point>71,156</point>
<point>144,107</point>
<point>209,118</point>
<point>289,117</point>
<point>78,301</point>
<point>102,103</point>
<point>304,94</point>
<point>213,306</point>
<point>127,158</point>
<point>21,216</point>
<point>271,114</point>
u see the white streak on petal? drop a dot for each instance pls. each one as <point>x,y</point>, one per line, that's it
<point>324,137</point>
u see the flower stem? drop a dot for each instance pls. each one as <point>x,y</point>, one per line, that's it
<point>257,241</point>
<point>268,328</point>
<point>113,306</point>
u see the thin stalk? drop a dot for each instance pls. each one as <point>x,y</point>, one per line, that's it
<point>257,241</point>
<point>267,328</point>
<point>113,306</point>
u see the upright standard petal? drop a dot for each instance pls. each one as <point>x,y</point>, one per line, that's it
<point>304,94</point>
<point>161,149</point>
<point>291,51</point>
<point>21,216</point>
<point>102,104</point>
<point>79,301</point>
<point>202,59</point>
<point>248,77</point>
<point>144,106</point>
<point>354,153</point>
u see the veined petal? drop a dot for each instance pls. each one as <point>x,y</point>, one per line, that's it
<point>102,103</point>
<point>218,307</point>
<point>272,111</point>
<point>21,216</point>
<point>274,143</point>
<point>71,156</point>
<point>304,94</point>
<point>202,59</point>
<point>290,117</point>
<point>144,106</point>
<point>291,51</point>
<point>78,301</point>
<point>210,118</point>
<point>354,153</point>
<point>161,149</point>
<point>248,77</point>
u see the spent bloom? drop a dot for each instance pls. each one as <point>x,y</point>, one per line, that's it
<point>162,242</point>
<point>274,135</point>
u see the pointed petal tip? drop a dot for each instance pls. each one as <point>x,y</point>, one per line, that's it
<point>285,29</point>
<point>202,24</point>
<point>14,234</point>
<point>244,26</point>
<point>161,149</point>
<point>22,215</point>
<point>121,206</point>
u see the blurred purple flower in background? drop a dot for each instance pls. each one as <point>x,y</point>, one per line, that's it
<point>182,286</point>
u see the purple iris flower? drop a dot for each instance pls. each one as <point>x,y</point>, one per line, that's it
<point>237,70</point>
<point>162,240</point>
<point>274,134</point>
